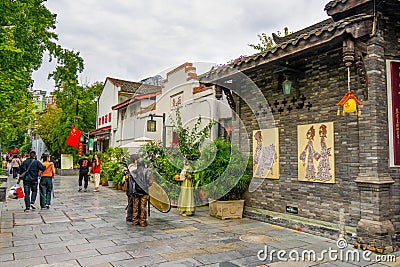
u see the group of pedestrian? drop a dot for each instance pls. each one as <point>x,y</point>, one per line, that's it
<point>86,167</point>
<point>138,181</point>
<point>29,173</point>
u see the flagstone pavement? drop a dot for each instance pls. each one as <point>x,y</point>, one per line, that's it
<point>89,229</point>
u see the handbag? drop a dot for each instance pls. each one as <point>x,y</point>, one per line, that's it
<point>22,175</point>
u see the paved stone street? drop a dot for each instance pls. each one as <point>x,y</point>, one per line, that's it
<point>89,229</point>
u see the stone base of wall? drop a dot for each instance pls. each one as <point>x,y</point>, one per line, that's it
<point>377,234</point>
<point>73,172</point>
<point>321,228</point>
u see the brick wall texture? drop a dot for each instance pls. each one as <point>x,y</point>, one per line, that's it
<point>361,143</point>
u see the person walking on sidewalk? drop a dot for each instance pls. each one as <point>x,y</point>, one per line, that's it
<point>84,172</point>
<point>143,179</point>
<point>32,166</point>
<point>130,187</point>
<point>46,182</point>
<point>96,168</point>
<point>15,165</point>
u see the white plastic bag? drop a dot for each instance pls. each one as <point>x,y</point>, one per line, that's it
<point>12,192</point>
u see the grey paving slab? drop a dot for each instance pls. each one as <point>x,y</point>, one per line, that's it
<point>143,261</point>
<point>72,255</point>
<point>93,245</point>
<point>25,262</point>
<point>63,243</point>
<point>6,244</point>
<point>88,229</point>
<point>33,247</point>
<point>104,258</point>
<point>217,257</point>
<point>42,253</point>
<point>181,263</point>
<point>71,263</point>
<point>6,257</point>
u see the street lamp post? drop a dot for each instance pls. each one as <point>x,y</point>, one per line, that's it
<point>151,126</point>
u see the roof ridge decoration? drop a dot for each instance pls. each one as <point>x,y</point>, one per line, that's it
<point>339,9</point>
<point>334,3</point>
<point>282,39</point>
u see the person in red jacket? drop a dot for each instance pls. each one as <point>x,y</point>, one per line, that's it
<point>96,167</point>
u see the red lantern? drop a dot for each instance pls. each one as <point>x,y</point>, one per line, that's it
<point>80,150</point>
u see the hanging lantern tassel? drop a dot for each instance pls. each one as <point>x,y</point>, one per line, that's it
<point>350,104</point>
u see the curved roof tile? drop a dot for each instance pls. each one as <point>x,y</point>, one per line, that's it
<point>294,39</point>
<point>334,3</point>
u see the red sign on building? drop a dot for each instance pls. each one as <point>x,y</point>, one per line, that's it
<point>395,90</point>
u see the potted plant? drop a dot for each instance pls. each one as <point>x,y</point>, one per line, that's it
<point>112,169</point>
<point>224,180</point>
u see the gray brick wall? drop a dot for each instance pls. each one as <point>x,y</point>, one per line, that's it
<point>323,83</point>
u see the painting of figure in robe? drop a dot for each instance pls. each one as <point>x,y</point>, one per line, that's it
<point>266,153</point>
<point>316,153</point>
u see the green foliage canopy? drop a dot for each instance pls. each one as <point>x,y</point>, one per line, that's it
<point>26,33</point>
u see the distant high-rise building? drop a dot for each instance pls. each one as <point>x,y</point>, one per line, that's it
<point>42,99</point>
<point>155,80</point>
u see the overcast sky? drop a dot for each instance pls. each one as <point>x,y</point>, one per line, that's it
<point>135,39</point>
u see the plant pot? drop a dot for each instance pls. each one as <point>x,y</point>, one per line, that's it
<point>3,189</point>
<point>110,183</point>
<point>202,195</point>
<point>230,209</point>
<point>104,183</point>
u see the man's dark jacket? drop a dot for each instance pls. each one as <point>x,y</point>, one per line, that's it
<point>33,173</point>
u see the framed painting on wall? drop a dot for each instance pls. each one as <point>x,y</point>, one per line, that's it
<point>266,153</point>
<point>316,155</point>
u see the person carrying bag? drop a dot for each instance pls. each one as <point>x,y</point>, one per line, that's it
<point>46,182</point>
<point>29,173</point>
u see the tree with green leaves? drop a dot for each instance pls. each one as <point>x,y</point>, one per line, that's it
<point>267,41</point>
<point>75,105</point>
<point>26,33</point>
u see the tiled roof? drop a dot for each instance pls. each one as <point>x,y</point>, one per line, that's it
<point>126,86</point>
<point>134,99</point>
<point>145,89</point>
<point>101,130</point>
<point>283,39</point>
<point>318,33</point>
<point>333,3</point>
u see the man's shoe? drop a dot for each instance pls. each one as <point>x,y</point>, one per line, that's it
<point>85,190</point>
<point>47,206</point>
<point>80,189</point>
<point>27,210</point>
<point>33,207</point>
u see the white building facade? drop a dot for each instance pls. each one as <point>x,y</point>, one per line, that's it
<point>182,90</point>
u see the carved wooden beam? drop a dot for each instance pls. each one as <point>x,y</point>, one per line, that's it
<point>218,92</point>
<point>230,99</point>
<point>362,73</point>
<point>352,53</point>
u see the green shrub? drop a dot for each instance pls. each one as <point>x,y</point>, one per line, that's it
<point>112,166</point>
<point>222,171</point>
